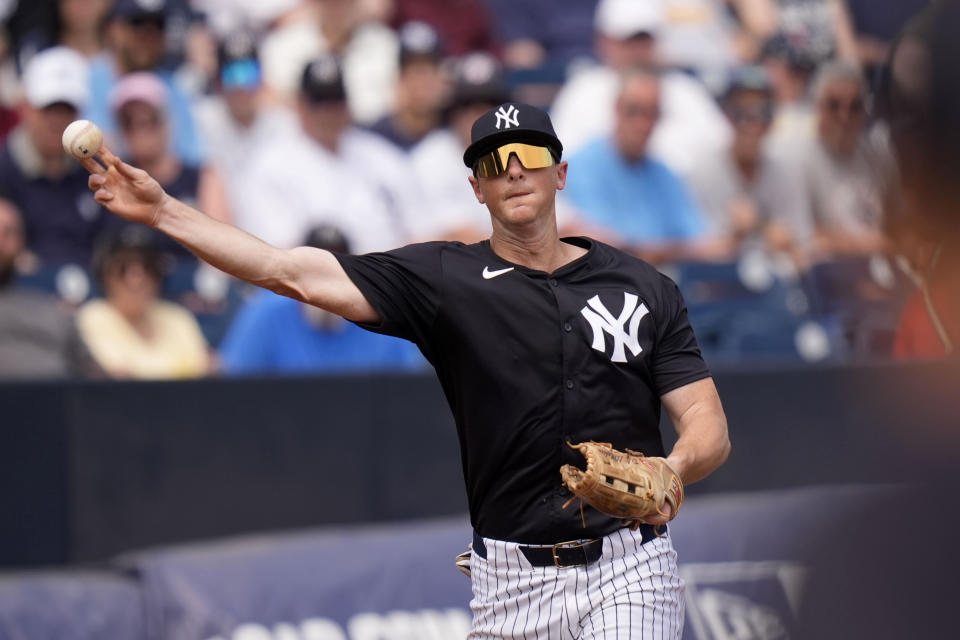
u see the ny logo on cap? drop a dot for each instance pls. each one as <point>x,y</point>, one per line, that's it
<point>507,117</point>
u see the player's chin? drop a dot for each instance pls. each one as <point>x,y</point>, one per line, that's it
<point>519,213</point>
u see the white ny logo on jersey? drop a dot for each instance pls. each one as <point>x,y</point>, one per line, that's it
<point>601,320</point>
<point>508,118</point>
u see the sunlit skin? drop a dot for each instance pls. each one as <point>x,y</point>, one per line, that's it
<point>522,205</point>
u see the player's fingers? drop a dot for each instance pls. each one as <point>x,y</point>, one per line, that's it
<point>96,180</point>
<point>128,171</point>
<point>656,520</point>
<point>103,196</point>
<point>93,166</point>
<point>107,156</point>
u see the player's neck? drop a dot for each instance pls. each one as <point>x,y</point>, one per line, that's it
<point>537,248</point>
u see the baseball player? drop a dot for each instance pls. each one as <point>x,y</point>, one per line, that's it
<point>538,342</point>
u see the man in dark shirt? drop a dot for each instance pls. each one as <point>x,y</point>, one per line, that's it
<point>420,91</point>
<point>537,341</point>
<point>61,218</point>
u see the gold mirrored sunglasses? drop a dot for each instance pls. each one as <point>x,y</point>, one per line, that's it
<point>530,156</point>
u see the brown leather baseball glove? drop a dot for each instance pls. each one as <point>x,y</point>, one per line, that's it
<point>625,485</point>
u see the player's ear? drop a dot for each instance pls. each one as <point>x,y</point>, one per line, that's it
<point>561,175</point>
<point>475,183</point>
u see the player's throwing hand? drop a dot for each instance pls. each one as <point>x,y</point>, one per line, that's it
<point>125,190</point>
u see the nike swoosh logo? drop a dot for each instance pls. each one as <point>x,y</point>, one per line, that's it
<point>487,274</point>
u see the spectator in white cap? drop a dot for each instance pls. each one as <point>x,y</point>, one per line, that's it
<point>139,103</point>
<point>626,36</point>
<point>49,188</point>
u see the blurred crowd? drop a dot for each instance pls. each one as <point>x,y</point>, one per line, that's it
<point>736,144</point>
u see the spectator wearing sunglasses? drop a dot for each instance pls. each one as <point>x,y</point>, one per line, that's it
<point>131,332</point>
<point>839,170</point>
<point>746,191</point>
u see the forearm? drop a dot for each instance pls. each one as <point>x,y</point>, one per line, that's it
<point>224,246</point>
<point>701,449</point>
<point>702,443</point>
<point>307,274</point>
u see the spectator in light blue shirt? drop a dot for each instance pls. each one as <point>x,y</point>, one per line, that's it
<point>627,198</point>
<point>277,335</point>
<point>138,43</point>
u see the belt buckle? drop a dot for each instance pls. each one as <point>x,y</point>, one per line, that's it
<point>570,544</point>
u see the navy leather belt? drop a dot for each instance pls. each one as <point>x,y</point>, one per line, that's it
<point>562,554</point>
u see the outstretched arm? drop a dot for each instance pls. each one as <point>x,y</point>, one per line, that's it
<point>311,275</point>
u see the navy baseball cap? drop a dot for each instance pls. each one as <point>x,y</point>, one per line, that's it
<point>322,81</point>
<point>511,122</point>
<point>419,41</point>
<point>478,79</point>
<point>132,10</point>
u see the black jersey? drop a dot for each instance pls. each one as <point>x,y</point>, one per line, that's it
<point>530,360</point>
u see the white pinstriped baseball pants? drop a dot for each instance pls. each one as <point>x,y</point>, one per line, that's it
<point>632,592</point>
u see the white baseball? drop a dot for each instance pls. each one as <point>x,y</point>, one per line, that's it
<point>82,139</point>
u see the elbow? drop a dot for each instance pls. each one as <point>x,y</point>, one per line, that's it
<point>723,443</point>
<point>281,276</point>
<point>724,452</point>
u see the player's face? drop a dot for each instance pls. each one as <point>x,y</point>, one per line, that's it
<point>520,196</point>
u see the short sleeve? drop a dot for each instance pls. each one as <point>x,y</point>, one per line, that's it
<point>677,360</point>
<point>404,286</point>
